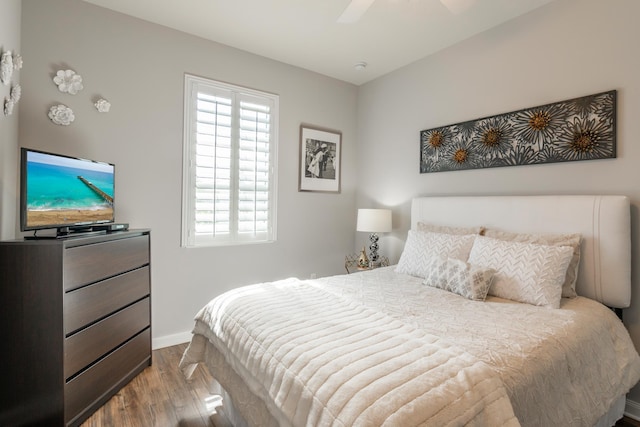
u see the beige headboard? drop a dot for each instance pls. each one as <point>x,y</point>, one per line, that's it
<point>604,222</point>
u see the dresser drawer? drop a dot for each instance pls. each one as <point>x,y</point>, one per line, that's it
<point>87,264</point>
<point>90,303</point>
<point>89,390</point>
<point>89,344</point>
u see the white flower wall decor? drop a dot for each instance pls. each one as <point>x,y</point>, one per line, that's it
<point>68,81</point>
<point>61,115</point>
<point>17,62</point>
<point>8,107</point>
<point>8,64</point>
<point>16,93</point>
<point>6,67</point>
<point>14,97</point>
<point>102,105</point>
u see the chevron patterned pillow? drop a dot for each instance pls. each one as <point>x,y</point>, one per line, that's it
<point>421,247</point>
<point>573,240</point>
<point>526,272</point>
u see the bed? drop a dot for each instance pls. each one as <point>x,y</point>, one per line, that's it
<point>478,324</point>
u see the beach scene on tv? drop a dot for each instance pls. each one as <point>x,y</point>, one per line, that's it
<point>62,190</point>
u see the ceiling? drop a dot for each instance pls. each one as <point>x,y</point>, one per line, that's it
<point>306,34</point>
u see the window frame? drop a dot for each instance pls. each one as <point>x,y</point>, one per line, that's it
<point>192,86</point>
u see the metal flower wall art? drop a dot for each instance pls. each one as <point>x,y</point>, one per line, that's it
<point>577,129</point>
<point>68,81</point>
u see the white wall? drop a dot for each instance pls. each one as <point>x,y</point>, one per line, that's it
<point>567,49</point>
<point>9,40</point>
<point>139,67</point>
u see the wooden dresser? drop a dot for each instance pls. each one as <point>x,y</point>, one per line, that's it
<point>75,324</point>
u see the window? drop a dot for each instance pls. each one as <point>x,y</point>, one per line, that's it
<point>229,185</point>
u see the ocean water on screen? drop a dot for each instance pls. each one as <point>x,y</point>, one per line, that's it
<point>58,187</point>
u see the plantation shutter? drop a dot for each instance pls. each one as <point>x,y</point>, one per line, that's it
<point>213,165</point>
<point>253,167</point>
<point>231,168</point>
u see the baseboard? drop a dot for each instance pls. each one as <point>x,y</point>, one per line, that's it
<point>169,340</point>
<point>632,410</point>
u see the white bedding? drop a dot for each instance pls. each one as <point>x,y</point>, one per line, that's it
<point>560,367</point>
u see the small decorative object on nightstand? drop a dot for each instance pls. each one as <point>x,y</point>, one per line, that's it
<point>374,221</point>
<point>352,262</point>
<point>363,261</point>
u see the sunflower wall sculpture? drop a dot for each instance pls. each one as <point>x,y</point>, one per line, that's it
<point>577,129</point>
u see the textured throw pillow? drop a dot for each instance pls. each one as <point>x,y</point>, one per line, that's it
<point>454,275</point>
<point>427,227</point>
<point>572,240</point>
<point>421,246</point>
<point>525,272</point>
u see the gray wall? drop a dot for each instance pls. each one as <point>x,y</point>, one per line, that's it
<point>9,40</point>
<point>567,49</point>
<point>139,67</point>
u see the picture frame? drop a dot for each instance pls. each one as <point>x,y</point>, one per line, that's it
<point>320,159</point>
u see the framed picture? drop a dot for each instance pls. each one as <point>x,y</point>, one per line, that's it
<point>320,159</point>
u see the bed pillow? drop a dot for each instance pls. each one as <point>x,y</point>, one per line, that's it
<point>454,275</point>
<point>422,246</point>
<point>572,240</point>
<point>525,272</point>
<point>427,227</point>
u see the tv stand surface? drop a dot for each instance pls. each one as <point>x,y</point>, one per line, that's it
<point>67,235</point>
<point>76,315</point>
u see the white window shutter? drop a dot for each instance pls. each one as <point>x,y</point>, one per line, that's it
<point>230,146</point>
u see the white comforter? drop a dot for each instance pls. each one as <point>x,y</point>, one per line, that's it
<point>350,350</point>
<point>318,360</point>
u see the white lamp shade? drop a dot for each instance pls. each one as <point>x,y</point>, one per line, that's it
<point>374,220</point>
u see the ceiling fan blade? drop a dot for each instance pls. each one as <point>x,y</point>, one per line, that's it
<point>457,6</point>
<point>354,11</point>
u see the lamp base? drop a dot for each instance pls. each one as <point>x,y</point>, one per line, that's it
<point>373,247</point>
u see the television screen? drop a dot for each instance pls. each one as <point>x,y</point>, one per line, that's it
<point>60,191</point>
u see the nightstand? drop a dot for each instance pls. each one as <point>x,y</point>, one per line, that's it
<point>351,263</point>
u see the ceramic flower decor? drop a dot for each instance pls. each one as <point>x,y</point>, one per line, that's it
<point>102,105</point>
<point>68,81</point>
<point>6,67</point>
<point>61,115</point>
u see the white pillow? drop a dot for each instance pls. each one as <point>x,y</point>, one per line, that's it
<point>445,229</point>
<point>454,275</point>
<point>421,247</point>
<point>526,272</point>
<point>573,240</point>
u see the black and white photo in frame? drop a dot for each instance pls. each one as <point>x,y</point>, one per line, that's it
<point>319,162</point>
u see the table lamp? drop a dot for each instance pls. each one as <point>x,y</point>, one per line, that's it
<point>374,221</point>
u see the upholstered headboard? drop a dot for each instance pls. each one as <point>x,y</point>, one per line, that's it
<point>604,222</point>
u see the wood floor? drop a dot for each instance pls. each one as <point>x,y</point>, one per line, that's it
<point>161,397</point>
<point>627,422</point>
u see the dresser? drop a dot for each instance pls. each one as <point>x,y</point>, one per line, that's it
<point>75,324</point>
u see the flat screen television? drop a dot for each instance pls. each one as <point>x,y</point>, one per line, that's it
<point>64,193</point>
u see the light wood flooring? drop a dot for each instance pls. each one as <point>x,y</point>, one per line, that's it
<point>161,397</point>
